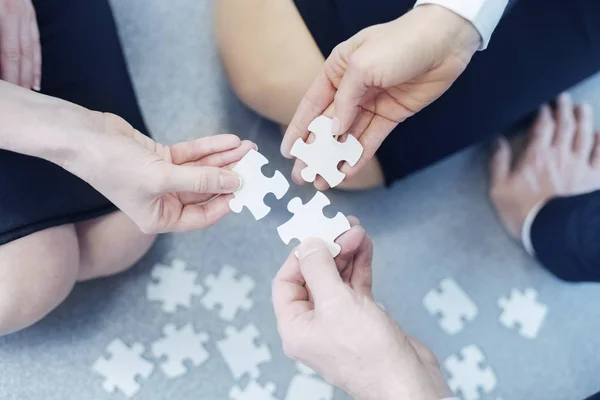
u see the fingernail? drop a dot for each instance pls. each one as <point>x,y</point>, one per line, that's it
<point>230,182</point>
<point>565,97</point>
<point>545,111</point>
<point>255,146</point>
<point>586,109</point>
<point>308,247</point>
<point>37,88</point>
<point>297,254</point>
<point>336,126</point>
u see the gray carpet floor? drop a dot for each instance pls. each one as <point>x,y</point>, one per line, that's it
<point>432,226</point>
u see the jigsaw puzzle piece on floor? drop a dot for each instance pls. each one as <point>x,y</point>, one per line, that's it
<point>323,156</point>
<point>241,353</point>
<point>308,221</point>
<point>524,310</point>
<point>467,374</point>
<point>253,391</point>
<point>453,306</point>
<point>174,287</point>
<point>228,293</point>
<point>256,186</point>
<point>123,367</point>
<point>178,346</point>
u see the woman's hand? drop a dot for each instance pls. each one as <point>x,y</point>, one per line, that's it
<point>383,75</point>
<point>20,50</point>
<point>328,320</point>
<point>161,188</point>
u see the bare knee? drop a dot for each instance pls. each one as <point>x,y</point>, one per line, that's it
<point>109,245</point>
<point>37,273</point>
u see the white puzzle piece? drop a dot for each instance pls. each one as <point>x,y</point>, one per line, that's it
<point>123,367</point>
<point>306,385</point>
<point>468,376</point>
<point>228,293</point>
<point>308,221</point>
<point>254,391</point>
<point>240,352</point>
<point>174,287</point>
<point>453,306</point>
<point>178,346</point>
<point>323,156</point>
<point>256,186</point>
<point>524,310</point>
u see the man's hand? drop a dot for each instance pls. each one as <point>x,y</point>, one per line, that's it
<point>383,75</point>
<point>20,51</point>
<point>328,320</point>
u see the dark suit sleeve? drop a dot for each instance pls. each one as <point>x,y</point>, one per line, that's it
<point>566,237</point>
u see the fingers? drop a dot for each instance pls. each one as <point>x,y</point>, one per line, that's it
<point>542,131</point>
<point>362,277</point>
<point>595,157</point>
<point>26,48</point>
<point>196,149</point>
<point>194,217</point>
<point>227,157</point>
<point>10,53</point>
<point>37,52</point>
<point>500,162</point>
<point>319,269</point>
<point>565,122</point>
<point>290,296</point>
<point>184,178</point>
<point>319,96</point>
<point>584,134</point>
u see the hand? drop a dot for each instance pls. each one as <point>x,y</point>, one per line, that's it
<point>328,320</point>
<point>20,50</point>
<point>561,158</point>
<point>382,76</point>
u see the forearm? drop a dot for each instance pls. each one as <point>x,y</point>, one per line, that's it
<point>41,126</point>
<point>565,236</point>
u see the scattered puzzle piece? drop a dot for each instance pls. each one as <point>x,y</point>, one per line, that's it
<point>254,391</point>
<point>453,306</point>
<point>178,346</point>
<point>467,374</point>
<point>175,286</point>
<point>323,156</point>
<point>241,353</point>
<point>524,310</point>
<point>123,367</point>
<point>308,221</point>
<point>256,186</point>
<point>229,293</point>
<point>306,385</point>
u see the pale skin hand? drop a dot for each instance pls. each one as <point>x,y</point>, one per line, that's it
<point>328,320</point>
<point>382,76</point>
<point>561,158</point>
<point>20,50</point>
<point>161,188</point>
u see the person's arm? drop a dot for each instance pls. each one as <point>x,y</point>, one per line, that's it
<point>339,331</point>
<point>565,237</point>
<point>161,188</point>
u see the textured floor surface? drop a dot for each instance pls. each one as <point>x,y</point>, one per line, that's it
<point>433,226</point>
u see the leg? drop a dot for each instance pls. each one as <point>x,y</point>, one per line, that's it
<point>560,50</point>
<point>37,273</point>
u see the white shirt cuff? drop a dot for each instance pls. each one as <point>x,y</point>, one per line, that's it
<point>483,14</point>
<point>526,231</point>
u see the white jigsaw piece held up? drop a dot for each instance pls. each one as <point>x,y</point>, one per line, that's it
<point>174,287</point>
<point>309,222</point>
<point>229,293</point>
<point>452,304</point>
<point>241,353</point>
<point>523,309</point>
<point>306,385</point>
<point>123,367</point>
<point>255,185</point>
<point>253,391</point>
<point>323,156</point>
<point>178,346</point>
<point>467,374</point>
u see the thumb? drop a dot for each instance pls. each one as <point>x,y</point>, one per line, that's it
<point>500,161</point>
<point>318,269</point>
<point>194,179</point>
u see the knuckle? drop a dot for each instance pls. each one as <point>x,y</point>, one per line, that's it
<point>11,54</point>
<point>201,184</point>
